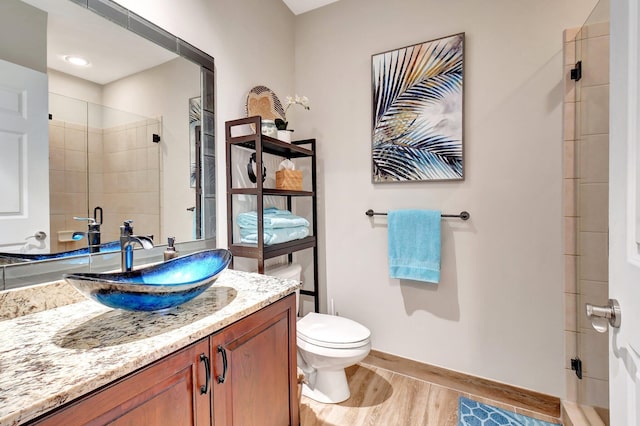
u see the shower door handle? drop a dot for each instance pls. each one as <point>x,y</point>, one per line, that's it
<point>611,312</point>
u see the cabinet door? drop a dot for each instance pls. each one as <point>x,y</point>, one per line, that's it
<point>258,385</point>
<point>167,392</point>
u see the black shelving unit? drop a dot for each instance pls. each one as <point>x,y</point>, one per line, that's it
<point>264,144</point>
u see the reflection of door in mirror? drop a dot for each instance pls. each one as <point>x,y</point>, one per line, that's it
<point>101,158</point>
<point>24,209</point>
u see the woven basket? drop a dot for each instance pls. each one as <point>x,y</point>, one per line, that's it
<point>289,179</point>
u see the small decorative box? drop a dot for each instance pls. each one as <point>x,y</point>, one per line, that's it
<point>289,179</point>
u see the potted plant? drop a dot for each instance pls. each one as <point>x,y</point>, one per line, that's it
<point>284,134</point>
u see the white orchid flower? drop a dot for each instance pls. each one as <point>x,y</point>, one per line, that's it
<point>303,101</point>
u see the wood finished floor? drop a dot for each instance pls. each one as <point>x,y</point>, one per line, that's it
<point>382,397</point>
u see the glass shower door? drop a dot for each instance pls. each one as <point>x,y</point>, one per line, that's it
<point>124,171</point>
<point>592,191</point>
<point>68,172</point>
<point>104,164</point>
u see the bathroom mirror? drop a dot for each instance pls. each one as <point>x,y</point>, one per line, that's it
<point>107,154</point>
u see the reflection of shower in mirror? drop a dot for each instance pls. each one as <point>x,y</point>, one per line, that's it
<point>105,158</point>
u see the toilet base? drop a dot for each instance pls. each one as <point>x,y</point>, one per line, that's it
<point>330,387</point>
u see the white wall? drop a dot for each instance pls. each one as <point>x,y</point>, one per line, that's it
<point>497,312</point>
<point>23,29</point>
<point>74,87</point>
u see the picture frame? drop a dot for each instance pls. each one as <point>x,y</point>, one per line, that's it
<point>417,112</point>
<point>195,120</point>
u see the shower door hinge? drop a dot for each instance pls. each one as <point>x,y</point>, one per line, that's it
<point>576,365</point>
<point>576,72</point>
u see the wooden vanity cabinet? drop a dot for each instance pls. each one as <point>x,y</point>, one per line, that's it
<point>168,392</point>
<point>257,387</point>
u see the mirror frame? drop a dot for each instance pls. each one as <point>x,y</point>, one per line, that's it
<point>135,23</point>
<point>130,21</point>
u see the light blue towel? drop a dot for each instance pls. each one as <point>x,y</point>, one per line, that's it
<point>272,218</point>
<point>414,245</point>
<point>274,236</point>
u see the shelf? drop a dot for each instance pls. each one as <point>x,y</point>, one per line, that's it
<point>269,145</point>
<point>262,144</point>
<point>273,146</point>
<point>270,191</point>
<point>275,250</point>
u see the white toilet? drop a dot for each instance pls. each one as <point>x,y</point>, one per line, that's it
<point>327,344</point>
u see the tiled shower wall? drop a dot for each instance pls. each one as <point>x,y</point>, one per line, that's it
<point>67,181</point>
<point>130,179</point>
<point>586,157</point>
<point>121,174</point>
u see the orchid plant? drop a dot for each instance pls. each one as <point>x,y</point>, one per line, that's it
<point>303,101</point>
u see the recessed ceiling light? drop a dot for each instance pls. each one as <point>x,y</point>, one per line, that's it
<point>76,60</point>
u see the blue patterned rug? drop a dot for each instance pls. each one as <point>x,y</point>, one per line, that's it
<point>473,413</point>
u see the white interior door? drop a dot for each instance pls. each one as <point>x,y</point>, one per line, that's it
<point>624,213</point>
<point>24,159</point>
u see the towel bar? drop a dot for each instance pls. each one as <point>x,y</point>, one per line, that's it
<point>464,215</point>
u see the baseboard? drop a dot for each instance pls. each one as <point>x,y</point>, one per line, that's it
<point>507,394</point>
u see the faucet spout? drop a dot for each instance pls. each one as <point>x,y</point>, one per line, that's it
<point>127,243</point>
<point>143,241</point>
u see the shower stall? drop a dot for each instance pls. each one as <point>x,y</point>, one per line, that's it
<point>103,164</point>
<point>586,190</point>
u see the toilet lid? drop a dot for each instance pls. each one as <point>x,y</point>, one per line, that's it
<point>332,331</point>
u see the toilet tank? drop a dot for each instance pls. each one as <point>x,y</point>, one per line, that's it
<point>289,272</point>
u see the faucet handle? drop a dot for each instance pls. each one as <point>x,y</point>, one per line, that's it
<point>126,229</point>
<point>91,220</point>
<point>95,214</point>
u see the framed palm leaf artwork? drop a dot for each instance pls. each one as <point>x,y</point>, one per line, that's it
<point>417,112</point>
<point>195,118</point>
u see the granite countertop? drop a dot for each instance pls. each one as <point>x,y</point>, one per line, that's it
<point>51,357</point>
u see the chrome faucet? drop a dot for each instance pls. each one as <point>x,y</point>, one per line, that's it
<point>127,241</point>
<point>93,235</point>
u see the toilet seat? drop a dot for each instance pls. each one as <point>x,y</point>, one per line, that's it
<point>330,331</point>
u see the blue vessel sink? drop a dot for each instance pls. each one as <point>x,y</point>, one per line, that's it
<point>154,288</point>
